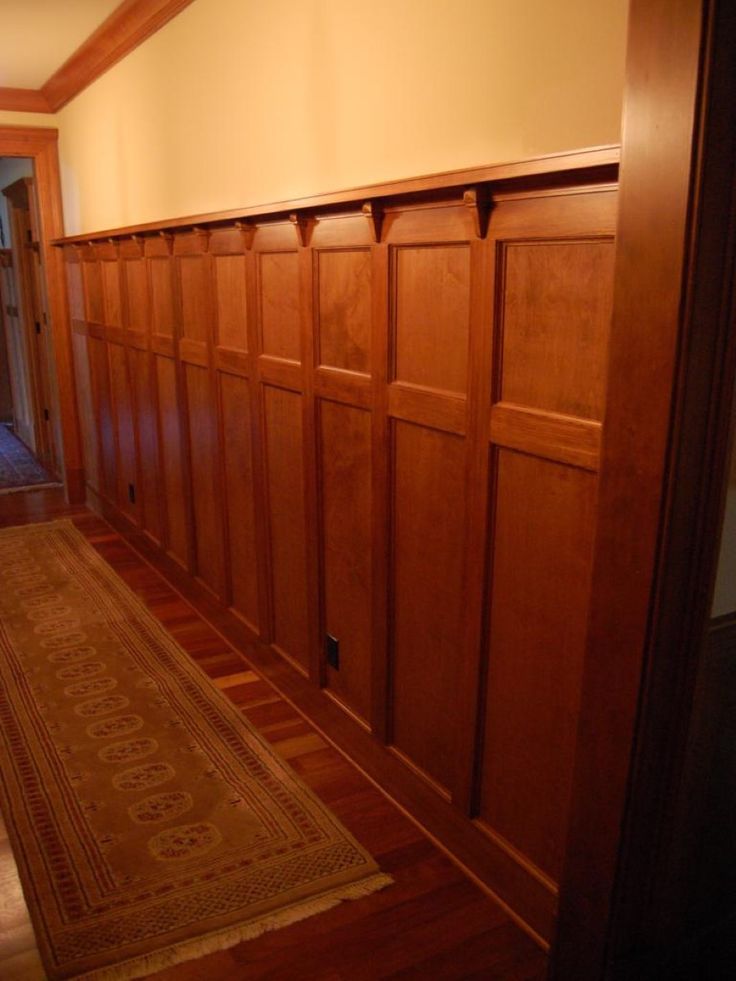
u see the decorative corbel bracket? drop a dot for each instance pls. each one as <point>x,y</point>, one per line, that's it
<point>202,236</point>
<point>479,204</point>
<point>302,226</point>
<point>247,233</point>
<point>374,214</point>
<point>168,239</point>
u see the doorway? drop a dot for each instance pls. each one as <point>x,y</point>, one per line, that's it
<point>29,430</point>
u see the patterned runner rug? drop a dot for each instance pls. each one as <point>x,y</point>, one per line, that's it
<point>18,466</point>
<point>151,823</point>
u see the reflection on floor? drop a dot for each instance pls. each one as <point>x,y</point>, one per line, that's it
<point>18,467</point>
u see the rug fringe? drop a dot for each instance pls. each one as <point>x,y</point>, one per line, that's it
<point>157,960</point>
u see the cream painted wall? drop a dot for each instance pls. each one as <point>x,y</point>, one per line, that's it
<point>239,102</point>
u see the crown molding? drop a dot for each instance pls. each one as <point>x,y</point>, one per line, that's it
<point>23,100</point>
<point>127,26</point>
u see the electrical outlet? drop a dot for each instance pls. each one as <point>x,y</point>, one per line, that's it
<point>332,648</point>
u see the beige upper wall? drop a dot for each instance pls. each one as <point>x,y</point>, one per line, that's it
<point>239,102</point>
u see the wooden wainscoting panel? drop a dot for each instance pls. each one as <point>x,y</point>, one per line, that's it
<point>86,408</point>
<point>161,293</point>
<point>431,291</point>
<point>382,422</point>
<point>148,488</point>
<point>135,291</point>
<point>278,291</point>
<point>554,324</point>
<point>345,472</point>
<point>343,337</point>
<point>126,465</point>
<point>230,300</point>
<point>100,378</point>
<point>427,603</point>
<point>544,520</point>
<point>87,411</point>
<point>286,521</point>
<point>176,531</point>
<point>113,306</point>
<point>235,406</point>
<point>93,302</point>
<point>205,477</point>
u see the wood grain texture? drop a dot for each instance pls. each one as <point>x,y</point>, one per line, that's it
<point>285,482</point>
<point>540,570</point>
<point>345,471</point>
<point>278,280</point>
<point>344,309</point>
<point>428,548</point>
<point>431,303</point>
<point>556,310</point>
<point>240,496</point>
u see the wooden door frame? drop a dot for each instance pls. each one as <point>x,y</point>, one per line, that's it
<point>41,145</point>
<point>664,468</point>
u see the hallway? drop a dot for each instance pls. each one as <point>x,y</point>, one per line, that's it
<point>18,467</point>
<point>432,923</point>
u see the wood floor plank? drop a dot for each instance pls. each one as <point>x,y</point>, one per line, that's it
<point>433,923</point>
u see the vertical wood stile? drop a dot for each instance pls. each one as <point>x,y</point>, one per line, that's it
<point>380,492</point>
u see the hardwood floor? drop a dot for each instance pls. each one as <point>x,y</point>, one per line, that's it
<point>433,923</point>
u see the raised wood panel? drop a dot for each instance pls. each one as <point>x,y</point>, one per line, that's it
<point>149,496</point>
<point>541,553</point>
<point>427,610</point>
<point>230,298</point>
<point>93,302</point>
<point>105,429</point>
<point>554,323</point>
<point>344,309</point>
<point>86,410</point>
<point>75,289</point>
<point>285,482</point>
<point>194,283</point>
<point>240,496</point>
<point>136,291</point>
<point>110,274</point>
<point>205,477</point>
<point>122,407</point>
<point>172,460</point>
<point>431,314</point>
<point>161,295</point>
<point>278,290</point>
<point>345,471</point>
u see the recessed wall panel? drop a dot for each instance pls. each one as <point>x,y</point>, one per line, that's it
<point>278,284</point>
<point>556,307</point>
<point>345,466</point>
<point>431,315</point>
<point>230,297</point>
<point>427,602</point>
<point>541,556</point>
<point>285,479</point>
<point>344,334</point>
<point>240,495</point>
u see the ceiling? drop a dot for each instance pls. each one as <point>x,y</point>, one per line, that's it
<point>38,36</point>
